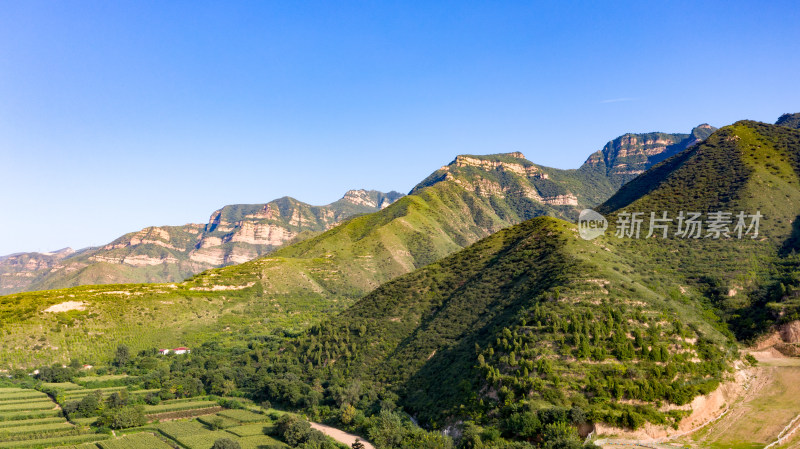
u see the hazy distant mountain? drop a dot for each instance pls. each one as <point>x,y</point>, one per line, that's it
<point>233,234</point>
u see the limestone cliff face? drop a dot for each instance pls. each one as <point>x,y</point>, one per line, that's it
<point>232,235</point>
<point>625,157</point>
<point>518,168</point>
<point>508,176</point>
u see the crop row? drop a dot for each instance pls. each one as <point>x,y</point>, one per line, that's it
<point>54,441</point>
<point>30,422</point>
<point>243,415</point>
<point>36,428</point>
<point>33,405</point>
<point>35,414</point>
<point>76,395</point>
<point>176,407</point>
<point>26,401</point>
<point>24,394</point>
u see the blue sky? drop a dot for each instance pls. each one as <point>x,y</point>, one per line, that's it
<point>119,115</point>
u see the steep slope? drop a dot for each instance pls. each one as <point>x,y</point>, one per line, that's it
<point>233,234</point>
<point>747,167</point>
<point>519,188</point>
<point>530,317</point>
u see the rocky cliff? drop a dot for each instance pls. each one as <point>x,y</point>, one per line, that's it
<point>234,234</point>
<point>625,157</point>
<point>17,270</point>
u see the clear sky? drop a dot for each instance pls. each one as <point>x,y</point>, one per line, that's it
<point>116,115</point>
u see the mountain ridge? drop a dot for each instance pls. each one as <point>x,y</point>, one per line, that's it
<point>233,234</point>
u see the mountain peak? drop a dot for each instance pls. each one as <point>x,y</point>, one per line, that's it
<point>631,154</point>
<point>370,198</point>
<point>790,120</point>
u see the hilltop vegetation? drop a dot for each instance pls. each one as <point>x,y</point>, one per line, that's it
<point>530,317</point>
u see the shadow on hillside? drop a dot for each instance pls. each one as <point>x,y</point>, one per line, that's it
<point>793,242</point>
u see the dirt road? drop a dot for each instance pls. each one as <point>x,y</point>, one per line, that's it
<point>340,435</point>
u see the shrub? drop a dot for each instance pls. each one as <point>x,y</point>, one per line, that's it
<point>225,443</point>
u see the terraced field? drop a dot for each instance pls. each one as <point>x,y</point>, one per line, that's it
<point>30,419</point>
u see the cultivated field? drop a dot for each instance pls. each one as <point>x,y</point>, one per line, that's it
<point>30,419</point>
<point>249,429</point>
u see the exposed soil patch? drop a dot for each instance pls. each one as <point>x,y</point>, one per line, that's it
<point>66,307</point>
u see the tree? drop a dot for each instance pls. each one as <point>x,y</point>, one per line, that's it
<point>347,414</point>
<point>216,423</point>
<point>123,356</point>
<point>560,435</point>
<point>225,443</point>
<point>117,399</point>
<point>123,418</point>
<point>525,425</point>
<point>90,405</point>
<point>293,430</point>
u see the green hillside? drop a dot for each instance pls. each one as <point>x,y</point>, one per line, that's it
<point>790,120</point>
<point>471,198</point>
<point>530,317</point>
<point>534,322</point>
<point>510,332</point>
<point>301,282</point>
<point>750,167</point>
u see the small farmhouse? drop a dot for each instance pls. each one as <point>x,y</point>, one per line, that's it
<point>163,351</point>
<point>181,350</point>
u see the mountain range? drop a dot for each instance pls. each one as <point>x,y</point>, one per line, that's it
<point>233,234</point>
<point>238,233</point>
<point>474,298</point>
